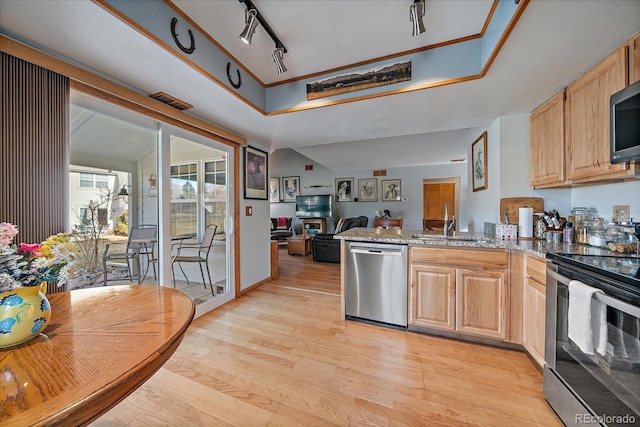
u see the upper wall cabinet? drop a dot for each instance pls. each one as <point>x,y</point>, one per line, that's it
<point>570,133</point>
<point>634,59</point>
<point>546,127</point>
<point>587,113</point>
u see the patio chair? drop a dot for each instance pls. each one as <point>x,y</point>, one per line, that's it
<point>141,242</point>
<point>199,254</point>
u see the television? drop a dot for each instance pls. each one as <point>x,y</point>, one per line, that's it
<point>318,206</point>
<point>625,124</point>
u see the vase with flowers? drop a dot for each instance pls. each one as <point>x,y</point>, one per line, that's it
<point>25,270</point>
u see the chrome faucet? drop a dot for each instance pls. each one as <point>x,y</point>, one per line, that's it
<point>446,219</point>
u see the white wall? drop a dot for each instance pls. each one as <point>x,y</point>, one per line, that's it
<point>255,246</point>
<point>291,163</point>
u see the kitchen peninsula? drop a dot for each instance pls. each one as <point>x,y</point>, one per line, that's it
<point>472,287</point>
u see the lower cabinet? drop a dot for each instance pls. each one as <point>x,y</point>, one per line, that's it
<point>533,308</point>
<point>460,290</point>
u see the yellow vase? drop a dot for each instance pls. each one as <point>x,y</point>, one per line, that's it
<point>24,313</point>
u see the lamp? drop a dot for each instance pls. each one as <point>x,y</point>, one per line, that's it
<point>252,14</point>
<point>416,12</point>
<point>251,21</point>
<point>278,59</point>
<point>123,192</point>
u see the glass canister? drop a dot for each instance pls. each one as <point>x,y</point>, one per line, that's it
<point>580,215</point>
<point>597,233</point>
<point>581,232</point>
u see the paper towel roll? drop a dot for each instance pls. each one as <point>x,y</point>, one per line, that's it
<point>525,222</point>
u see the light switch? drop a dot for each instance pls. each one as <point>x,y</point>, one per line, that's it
<point>249,211</point>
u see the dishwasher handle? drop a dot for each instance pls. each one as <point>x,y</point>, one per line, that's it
<point>376,251</point>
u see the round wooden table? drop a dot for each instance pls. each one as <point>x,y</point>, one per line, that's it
<point>100,345</point>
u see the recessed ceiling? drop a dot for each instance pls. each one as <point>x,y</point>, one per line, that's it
<point>552,44</point>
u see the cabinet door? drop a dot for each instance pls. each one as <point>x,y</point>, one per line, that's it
<point>482,303</point>
<point>432,297</point>
<point>533,318</point>
<point>587,116</point>
<point>634,60</point>
<point>546,126</point>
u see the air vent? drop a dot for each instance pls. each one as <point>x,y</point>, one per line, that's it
<point>170,100</point>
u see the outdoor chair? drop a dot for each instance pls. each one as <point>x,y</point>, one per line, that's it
<point>141,242</point>
<point>195,253</point>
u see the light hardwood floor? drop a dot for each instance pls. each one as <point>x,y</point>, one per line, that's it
<point>281,356</point>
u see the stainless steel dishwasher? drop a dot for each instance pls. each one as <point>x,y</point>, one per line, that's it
<point>376,282</point>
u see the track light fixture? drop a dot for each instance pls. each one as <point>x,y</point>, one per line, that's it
<point>278,59</point>
<point>416,12</point>
<point>252,18</point>
<point>251,22</point>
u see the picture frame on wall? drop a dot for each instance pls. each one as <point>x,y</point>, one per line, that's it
<point>479,163</point>
<point>290,188</point>
<point>391,190</point>
<point>344,189</point>
<point>274,190</point>
<point>256,171</point>
<point>368,190</point>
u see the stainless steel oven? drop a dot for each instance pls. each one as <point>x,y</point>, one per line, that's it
<point>594,389</point>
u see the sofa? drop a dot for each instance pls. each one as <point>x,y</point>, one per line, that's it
<point>282,231</point>
<point>327,249</point>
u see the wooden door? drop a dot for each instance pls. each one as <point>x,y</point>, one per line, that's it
<point>434,197</point>
<point>547,143</point>
<point>432,297</point>
<point>588,117</point>
<point>482,303</point>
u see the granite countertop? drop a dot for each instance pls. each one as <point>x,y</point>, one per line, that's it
<point>465,240</point>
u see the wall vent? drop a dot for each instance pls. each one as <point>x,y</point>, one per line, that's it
<point>170,100</point>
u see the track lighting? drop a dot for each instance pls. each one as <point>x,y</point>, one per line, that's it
<point>252,17</point>
<point>416,12</point>
<point>251,22</point>
<point>278,59</point>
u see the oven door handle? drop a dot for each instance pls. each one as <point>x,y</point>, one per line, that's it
<point>611,302</point>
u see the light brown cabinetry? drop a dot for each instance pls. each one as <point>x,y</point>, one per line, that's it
<point>533,308</point>
<point>570,133</point>
<point>546,127</point>
<point>587,113</point>
<point>460,290</point>
<point>634,59</point>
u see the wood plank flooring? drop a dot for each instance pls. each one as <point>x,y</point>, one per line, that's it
<point>281,356</point>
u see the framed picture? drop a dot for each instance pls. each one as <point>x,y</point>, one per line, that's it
<point>290,188</point>
<point>344,189</point>
<point>274,190</point>
<point>368,190</point>
<point>479,162</point>
<point>256,171</point>
<point>391,190</point>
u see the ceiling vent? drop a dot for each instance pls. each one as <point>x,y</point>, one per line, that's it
<point>170,100</point>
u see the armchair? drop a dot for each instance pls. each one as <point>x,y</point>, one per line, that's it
<point>327,249</point>
<point>281,228</point>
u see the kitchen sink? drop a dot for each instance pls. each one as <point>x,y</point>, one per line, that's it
<point>464,238</point>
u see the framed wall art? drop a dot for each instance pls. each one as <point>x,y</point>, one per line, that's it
<point>256,171</point>
<point>368,190</point>
<point>344,189</point>
<point>290,188</point>
<point>479,163</point>
<point>274,190</point>
<point>391,190</point>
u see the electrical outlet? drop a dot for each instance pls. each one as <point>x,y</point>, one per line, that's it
<point>621,213</point>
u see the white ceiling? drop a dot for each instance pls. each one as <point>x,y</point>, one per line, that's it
<point>553,43</point>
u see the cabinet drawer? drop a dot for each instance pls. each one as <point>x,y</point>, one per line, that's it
<point>537,269</point>
<point>484,259</point>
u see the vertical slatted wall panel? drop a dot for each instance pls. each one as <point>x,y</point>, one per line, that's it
<point>33,143</point>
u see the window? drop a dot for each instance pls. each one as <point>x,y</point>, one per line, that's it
<point>93,180</point>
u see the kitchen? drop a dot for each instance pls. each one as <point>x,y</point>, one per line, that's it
<point>509,305</point>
